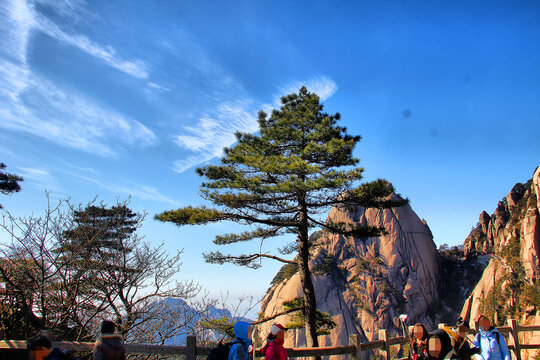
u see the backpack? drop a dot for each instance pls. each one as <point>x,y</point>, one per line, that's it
<point>221,351</point>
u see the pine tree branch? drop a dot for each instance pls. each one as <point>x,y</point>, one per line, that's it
<point>347,230</point>
<point>216,257</point>
<point>277,315</point>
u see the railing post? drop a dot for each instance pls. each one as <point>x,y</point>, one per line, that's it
<point>191,347</point>
<point>513,337</point>
<point>383,335</point>
<point>354,340</point>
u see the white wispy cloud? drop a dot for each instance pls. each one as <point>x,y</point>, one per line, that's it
<point>323,86</point>
<point>140,191</point>
<point>216,130</point>
<point>213,132</point>
<point>31,103</point>
<point>39,178</point>
<point>70,119</point>
<point>15,26</point>
<point>22,18</point>
<point>136,68</point>
<point>79,168</point>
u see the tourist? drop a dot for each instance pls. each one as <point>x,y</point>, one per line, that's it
<point>274,350</point>
<point>490,341</point>
<point>38,347</point>
<point>110,346</point>
<point>242,342</point>
<point>439,346</point>
<point>461,343</point>
<point>419,335</point>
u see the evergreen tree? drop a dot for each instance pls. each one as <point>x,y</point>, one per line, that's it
<point>299,165</point>
<point>9,183</point>
<point>96,248</point>
<point>100,230</point>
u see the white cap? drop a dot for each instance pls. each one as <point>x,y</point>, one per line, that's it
<point>276,328</point>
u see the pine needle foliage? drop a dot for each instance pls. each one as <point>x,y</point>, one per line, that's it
<point>9,183</point>
<point>324,321</point>
<point>278,181</point>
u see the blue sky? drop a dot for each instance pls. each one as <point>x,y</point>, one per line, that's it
<point>119,98</point>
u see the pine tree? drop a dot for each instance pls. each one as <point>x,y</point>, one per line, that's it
<point>97,247</point>
<point>9,183</point>
<point>278,181</point>
<point>100,230</point>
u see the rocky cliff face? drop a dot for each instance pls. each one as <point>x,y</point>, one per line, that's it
<point>489,236</point>
<point>366,284</point>
<point>509,286</point>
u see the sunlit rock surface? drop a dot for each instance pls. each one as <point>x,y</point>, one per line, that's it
<point>366,284</point>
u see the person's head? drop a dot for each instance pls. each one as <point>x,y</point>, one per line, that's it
<point>38,347</point>
<point>107,327</point>
<point>243,330</point>
<point>434,346</point>
<point>277,331</point>
<point>484,323</point>
<point>439,344</point>
<point>419,332</point>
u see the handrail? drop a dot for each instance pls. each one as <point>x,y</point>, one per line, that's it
<point>355,347</point>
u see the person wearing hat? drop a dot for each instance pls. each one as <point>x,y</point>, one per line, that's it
<point>490,341</point>
<point>274,350</point>
<point>461,343</point>
<point>110,346</point>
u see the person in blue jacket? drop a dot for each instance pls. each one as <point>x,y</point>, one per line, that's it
<point>490,342</point>
<point>242,342</point>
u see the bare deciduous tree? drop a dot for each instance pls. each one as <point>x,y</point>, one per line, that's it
<point>65,272</point>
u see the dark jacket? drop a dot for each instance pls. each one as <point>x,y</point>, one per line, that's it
<point>447,350</point>
<point>109,347</point>
<point>57,354</point>
<point>419,348</point>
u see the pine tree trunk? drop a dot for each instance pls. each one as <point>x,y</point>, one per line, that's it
<point>310,303</point>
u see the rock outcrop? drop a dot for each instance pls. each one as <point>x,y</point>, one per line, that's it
<point>489,235</point>
<point>365,284</point>
<point>509,286</point>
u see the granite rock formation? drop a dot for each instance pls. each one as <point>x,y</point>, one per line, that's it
<point>509,287</point>
<point>365,284</point>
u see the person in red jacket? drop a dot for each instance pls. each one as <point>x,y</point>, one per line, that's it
<point>274,350</point>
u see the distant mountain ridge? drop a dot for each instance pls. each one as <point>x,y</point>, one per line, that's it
<point>190,320</point>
